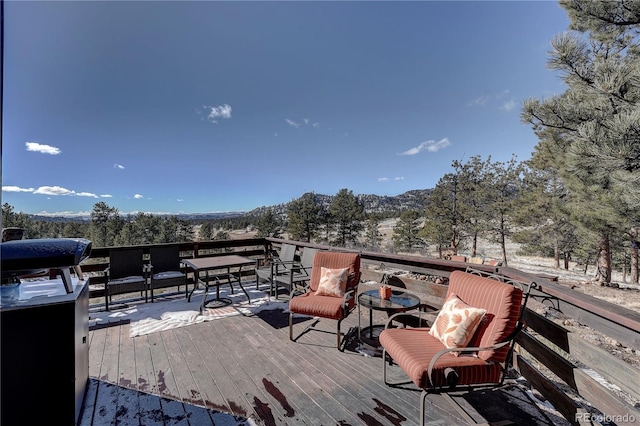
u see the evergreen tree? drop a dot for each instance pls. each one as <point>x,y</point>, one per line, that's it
<point>474,198</point>
<point>372,236</point>
<point>406,233</point>
<point>347,215</point>
<point>206,229</point>
<point>592,130</point>
<point>444,219</point>
<point>268,225</point>
<point>22,220</point>
<point>504,184</point>
<point>304,218</point>
<point>546,227</point>
<point>105,224</point>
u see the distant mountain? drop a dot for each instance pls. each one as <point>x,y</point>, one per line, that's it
<point>410,200</point>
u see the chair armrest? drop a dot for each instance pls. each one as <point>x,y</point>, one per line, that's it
<point>348,296</point>
<point>467,349</point>
<point>295,291</point>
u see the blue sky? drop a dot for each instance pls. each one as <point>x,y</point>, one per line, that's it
<point>185,107</point>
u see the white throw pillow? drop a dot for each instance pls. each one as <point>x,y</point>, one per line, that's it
<point>333,282</point>
<point>456,323</point>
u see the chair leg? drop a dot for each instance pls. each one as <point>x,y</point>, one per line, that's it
<point>384,366</point>
<point>423,397</point>
<point>339,335</point>
<point>290,325</point>
<point>106,297</point>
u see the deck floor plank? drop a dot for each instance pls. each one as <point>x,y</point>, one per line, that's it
<point>219,362</point>
<point>232,358</point>
<point>97,341</point>
<point>336,402</point>
<point>187,388</point>
<point>288,393</point>
<point>111,355</point>
<point>209,374</point>
<point>364,395</point>
<point>166,383</point>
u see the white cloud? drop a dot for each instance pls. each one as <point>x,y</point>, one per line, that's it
<point>138,196</point>
<point>16,189</point>
<point>221,111</point>
<point>383,179</point>
<point>44,149</point>
<point>118,166</point>
<point>86,194</point>
<point>399,178</point>
<point>479,101</point>
<point>106,196</point>
<point>293,123</point>
<point>304,122</point>
<point>505,105</point>
<point>509,105</point>
<point>179,200</point>
<point>54,190</point>
<point>430,146</point>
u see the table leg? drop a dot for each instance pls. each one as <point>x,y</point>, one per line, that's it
<point>240,284</point>
<point>196,278</point>
<point>371,324</point>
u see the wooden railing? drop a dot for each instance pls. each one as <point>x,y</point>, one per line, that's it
<point>544,346</point>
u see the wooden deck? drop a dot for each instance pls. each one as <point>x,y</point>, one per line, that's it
<point>247,366</point>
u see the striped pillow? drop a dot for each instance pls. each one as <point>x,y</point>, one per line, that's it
<point>456,323</point>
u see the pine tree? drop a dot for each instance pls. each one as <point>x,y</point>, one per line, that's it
<point>347,215</point>
<point>406,233</point>
<point>444,219</point>
<point>593,128</point>
<point>268,225</point>
<point>372,236</point>
<point>304,218</point>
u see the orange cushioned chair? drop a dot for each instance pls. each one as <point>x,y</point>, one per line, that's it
<point>317,301</point>
<point>435,367</point>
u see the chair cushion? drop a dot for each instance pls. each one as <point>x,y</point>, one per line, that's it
<point>413,348</point>
<point>456,323</point>
<point>126,280</point>
<point>315,305</point>
<point>167,275</point>
<point>333,282</point>
<point>502,302</point>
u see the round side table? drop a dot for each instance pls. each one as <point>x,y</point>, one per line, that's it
<point>400,301</point>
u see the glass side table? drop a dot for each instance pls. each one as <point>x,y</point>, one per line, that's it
<point>400,301</point>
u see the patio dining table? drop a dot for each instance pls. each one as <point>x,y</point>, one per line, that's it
<point>217,272</point>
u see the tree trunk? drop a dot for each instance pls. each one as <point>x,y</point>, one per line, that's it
<point>634,266</point>
<point>603,262</point>
<point>474,251</point>
<point>634,256</point>
<point>556,254</point>
<point>503,242</point>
